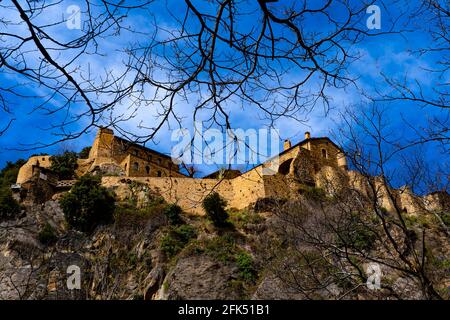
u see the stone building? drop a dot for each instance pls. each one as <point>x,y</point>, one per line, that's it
<point>280,177</point>
<point>111,155</point>
<point>313,162</point>
<point>116,156</point>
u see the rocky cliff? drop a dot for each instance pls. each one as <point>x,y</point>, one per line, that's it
<point>264,253</point>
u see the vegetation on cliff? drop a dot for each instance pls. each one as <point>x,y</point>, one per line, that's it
<point>9,207</point>
<point>214,206</point>
<point>88,204</point>
<point>64,165</point>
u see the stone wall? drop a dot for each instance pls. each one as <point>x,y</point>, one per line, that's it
<point>186,192</point>
<point>26,171</point>
<point>135,160</point>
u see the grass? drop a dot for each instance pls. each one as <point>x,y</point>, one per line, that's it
<point>176,239</point>
<point>314,193</point>
<point>420,220</point>
<point>47,235</point>
<point>242,218</point>
<point>224,249</point>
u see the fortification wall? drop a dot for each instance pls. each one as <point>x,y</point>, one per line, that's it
<point>186,192</point>
<point>246,188</point>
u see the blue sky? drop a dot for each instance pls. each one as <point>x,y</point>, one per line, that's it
<point>388,54</point>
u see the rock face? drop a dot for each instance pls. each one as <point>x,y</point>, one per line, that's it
<point>113,262</point>
<point>22,257</point>
<point>200,277</point>
<point>126,260</point>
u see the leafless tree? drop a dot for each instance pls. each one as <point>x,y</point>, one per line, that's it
<point>273,58</point>
<point>329,238</point>
<point>432,18</point>
<point>42,68</point>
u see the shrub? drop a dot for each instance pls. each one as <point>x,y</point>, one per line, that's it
<point>222,248</point>
<point>47,235</point>
<point>268,204</point>
<point>88,204</point>
<point>358,236</point>
<point>446,218</point>
<point>242,218</point>
<point>314,193</point>
<point>84,153</point>
<point>173,212</point>
<point>9,207</point>
<point>64,165</point>
<point>214,206</point>
<point>177,239</point>
<point>246,267</point>
<point>8,175</point>
<point>363,239</point>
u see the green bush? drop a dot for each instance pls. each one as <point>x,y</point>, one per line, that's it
<point>173,212</point>
<point>8,175</point>
<point>88,204</point>
<point>314,193</point>
<point>47,235</point>
<point>222,248</point>
<point>176,239</point>
<point>214,206</point>
<point>64,165</point>
<point>84,153</point>
<point>357,234</point>
<point>242,218</point>
<point>246,267</point>
<point>9,207</point>
<point>358,237</point>
<point>446,218</point>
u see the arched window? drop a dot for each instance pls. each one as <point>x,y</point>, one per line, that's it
<point>324,153</point>
<point>147,169</point>
<point>159,174</point>
<point>285,167</point>
<point>136,166</point>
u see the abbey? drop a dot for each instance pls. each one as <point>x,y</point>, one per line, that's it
<point>313,162</point>
<point>112,155</point>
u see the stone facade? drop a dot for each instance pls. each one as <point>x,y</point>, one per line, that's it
<point>111,155</point>
<point>124,158</point>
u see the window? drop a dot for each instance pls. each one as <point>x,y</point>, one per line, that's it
<point>126,166</point>
<point>136,153</point>
<point>159,174</point>
<point>324,153</point>
<point>147,169</point>
<point>159,161</point>
<point>136,166</point>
